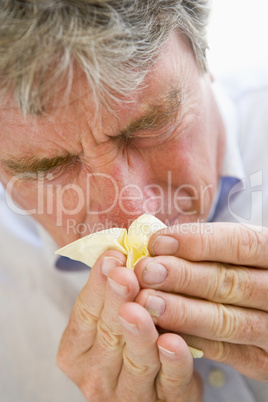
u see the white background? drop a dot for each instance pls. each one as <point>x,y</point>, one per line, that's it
<point>238,34</point>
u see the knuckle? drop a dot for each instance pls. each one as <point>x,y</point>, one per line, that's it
<point>181,312</point>
<point>184,276</point>
<point>171,380</point>
<point>62,360</point>
<point>66,361</point>
<point>249,244</point>
<point>89,393</point>
<point>231,284</point>
<point>178,313</point>
<point>172,385</point>
<point>66,354</point>
<point>92,389</point>
<point>204,246</point>
<point>227,322</point>
<point>137,368</point>
<point>82,318</point>
<point>107,338</point>
<point>219,351</point>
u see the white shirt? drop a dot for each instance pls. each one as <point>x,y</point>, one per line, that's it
<point>36,299</point>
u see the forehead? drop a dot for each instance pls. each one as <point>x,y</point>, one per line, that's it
<point>75,114</point>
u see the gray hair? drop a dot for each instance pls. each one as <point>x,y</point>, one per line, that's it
<point>114,41</point>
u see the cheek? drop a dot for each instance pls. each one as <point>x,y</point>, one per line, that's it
<point>180,157</point>
<point>57,208</point>
<point>192,171</point>
<point>199,149</point>
<point>24,194</point>
<point>45,201</point>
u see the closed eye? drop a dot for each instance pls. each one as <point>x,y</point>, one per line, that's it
<point>148,137</point>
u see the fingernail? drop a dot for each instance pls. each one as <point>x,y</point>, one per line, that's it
<point>121,290</point>
<point>165,245</point>
<point>154,273</point>
<point>166,352</point>
<point>109,263</point>
<point>156,306</point>
<point>129,327</point>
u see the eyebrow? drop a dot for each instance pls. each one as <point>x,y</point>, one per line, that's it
<point>164,110</point>
<point>161,112</point>
<point>29,168</point>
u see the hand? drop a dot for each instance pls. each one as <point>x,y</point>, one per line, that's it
<point>214,291</point>
<point>120,357</point>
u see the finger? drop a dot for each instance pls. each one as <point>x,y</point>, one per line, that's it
<point>225,242</point>
<point>237,356</point>
<point>141,362</point>
<point>81,329</point>
<point>176,380</point>
<point>208,320</point>
<point>107,349</point>
<point>217,282</point>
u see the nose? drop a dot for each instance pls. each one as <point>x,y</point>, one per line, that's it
<point>132,192</point>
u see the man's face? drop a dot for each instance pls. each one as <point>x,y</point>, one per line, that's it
<point>160,152</point>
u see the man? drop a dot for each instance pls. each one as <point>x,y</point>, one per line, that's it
<point>108,112</point>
